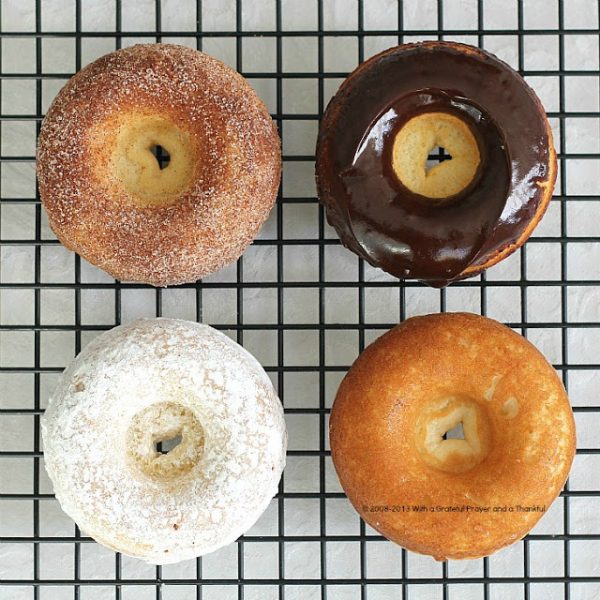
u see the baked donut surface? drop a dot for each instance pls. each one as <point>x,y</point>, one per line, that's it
<point>107,196</point>
<point>449,221</point>
<point>152,381</point>
<point>452,498</point>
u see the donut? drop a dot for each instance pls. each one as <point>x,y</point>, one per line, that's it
<point>444,222</point>
<point>175,382</point>
<point>109,198</point>
<point>405,464</point>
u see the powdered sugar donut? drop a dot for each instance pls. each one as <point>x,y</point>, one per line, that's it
<point>148,382</point>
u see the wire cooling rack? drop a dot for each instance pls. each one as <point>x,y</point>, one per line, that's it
<point>300,302</point>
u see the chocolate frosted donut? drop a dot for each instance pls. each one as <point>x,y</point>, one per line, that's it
<point>105,193</point>
<point>455,219</point>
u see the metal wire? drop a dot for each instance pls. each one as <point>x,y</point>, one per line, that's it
<point>404,583</point>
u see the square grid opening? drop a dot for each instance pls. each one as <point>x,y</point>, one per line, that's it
<point>296,299</point>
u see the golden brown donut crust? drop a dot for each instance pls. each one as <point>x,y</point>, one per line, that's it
<point>374,436</point>
<point>233,188</point>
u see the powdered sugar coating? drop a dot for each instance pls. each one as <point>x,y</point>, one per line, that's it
<point>121,373</point>
<point>214,219</point>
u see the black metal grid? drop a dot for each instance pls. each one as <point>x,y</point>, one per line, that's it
<point>406,581</point>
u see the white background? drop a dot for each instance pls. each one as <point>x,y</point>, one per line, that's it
<point>299,277</point>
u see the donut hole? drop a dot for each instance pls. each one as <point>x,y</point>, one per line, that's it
<point>453,434</point>
<point>165,446</point>
<point>435,155</point>
<point>163,158</point>
<point>456,433</point>
<point>151,159</point>
<point>165,440</point>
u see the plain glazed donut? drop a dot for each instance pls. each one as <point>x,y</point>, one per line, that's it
<point>107,197</point>
<point>148,382</point>
<point>455,219</point>
<point>452,498</point>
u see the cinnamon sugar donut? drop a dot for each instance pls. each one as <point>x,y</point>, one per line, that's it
<point>105,193</point>
<point>459,494</point>
<point>164,380</point>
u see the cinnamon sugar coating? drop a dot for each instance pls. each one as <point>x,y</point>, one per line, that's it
<point>186,233</point>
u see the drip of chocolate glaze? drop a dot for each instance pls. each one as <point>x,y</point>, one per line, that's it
<point>404,233</point>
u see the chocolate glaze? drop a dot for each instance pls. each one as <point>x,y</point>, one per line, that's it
<point>404,233</point>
